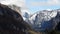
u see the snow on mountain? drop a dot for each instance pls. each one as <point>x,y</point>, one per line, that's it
<point>25,14</point>
<point>43,20</point>
<point>43,15</point>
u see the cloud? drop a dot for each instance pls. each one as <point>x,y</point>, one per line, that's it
<point>46,3</point>
<point>20,3</point>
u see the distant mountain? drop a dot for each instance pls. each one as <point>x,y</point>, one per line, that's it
<point>44,20</point>
<point>41,20</point>
<point>25,14</point>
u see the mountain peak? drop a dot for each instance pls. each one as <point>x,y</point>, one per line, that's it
<point>44,19</point>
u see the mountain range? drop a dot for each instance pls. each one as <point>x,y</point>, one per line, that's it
<point>41,20</point>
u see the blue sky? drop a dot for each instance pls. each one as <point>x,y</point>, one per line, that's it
<point>38,5</point>
<point>34,5</point>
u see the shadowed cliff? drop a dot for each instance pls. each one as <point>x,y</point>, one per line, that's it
<point>11,21</point>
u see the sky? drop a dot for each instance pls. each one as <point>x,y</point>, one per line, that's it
<point>38,5</point>
<point>34,5</point>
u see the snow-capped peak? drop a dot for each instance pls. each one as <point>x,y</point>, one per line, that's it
<point>25,11</point>
<point>25,14</point>
<point>44,19</point>
<point>53,14</point>
<point>47,15</point>
<point>33,17</point>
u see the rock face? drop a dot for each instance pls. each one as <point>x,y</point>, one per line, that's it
<point>11,21</point>
<point>57,20</point>
<point>42,20</point>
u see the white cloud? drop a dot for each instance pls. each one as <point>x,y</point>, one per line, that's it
<point>20,3</point>
<point>46,3</point>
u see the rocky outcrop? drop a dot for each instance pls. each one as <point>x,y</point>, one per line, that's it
<point>11,21</point>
